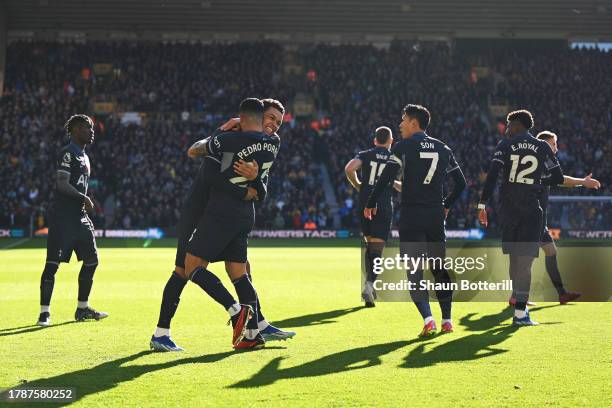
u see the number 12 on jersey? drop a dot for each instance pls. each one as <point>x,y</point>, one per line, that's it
<point>521,177</point>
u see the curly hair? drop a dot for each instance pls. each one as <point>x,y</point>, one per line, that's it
<point>75,120</point>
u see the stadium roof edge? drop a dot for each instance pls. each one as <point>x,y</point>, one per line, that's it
<point>149,19</point>
<point>293,38</point>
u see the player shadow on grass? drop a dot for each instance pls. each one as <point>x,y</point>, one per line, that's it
<point>29,329</point>
<point>106,376</point>
<point>487,321</point>
<point>354,359</point>
<point>316,318</point>
<point>472,347</point>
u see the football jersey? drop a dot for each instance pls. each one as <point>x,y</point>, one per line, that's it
<point>197,196</point>
<point>424,162</point>
<point>73,160</point>
<point>373,162</point>
<point>525,162</point>
<point>228,148</point>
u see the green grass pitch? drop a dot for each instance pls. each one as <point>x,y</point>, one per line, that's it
<point>343,355</point>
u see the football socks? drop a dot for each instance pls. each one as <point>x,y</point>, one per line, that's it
<point>170,300</point>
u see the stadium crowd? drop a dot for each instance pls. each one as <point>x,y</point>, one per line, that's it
<point>140,172</point>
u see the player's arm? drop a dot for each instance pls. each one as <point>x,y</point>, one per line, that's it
<point>487,192</point>
<point>587,182</point>
<point>555,174</point>
<point>497,163</point>
<point>233,124</point>
<point>251,173</point>
<point>220,181</point>
<point>459,185</point>
<point>65,164</point>
<point>386,177</point>
<point>397,185</point>
<point>67,189</point>
<point>260,184</point>
<point>351,172</point>
<point>200,148</point>
<point>64,186</point>
<point>459,182</point>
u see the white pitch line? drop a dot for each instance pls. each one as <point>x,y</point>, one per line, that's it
<point>14,244</point>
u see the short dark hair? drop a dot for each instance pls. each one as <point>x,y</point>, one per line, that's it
<point>418,112</point>
<point>75,120</point>
<point>273,103</point>
<point>523,116</point>
<point>251,107</point>
<point>382,134</point>
<point>546,135</point>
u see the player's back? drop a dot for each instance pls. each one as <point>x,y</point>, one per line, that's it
<point>373,162</point>
<point>525,161</point>
<point>229,148</point>
<point>197,195</point>
<point>425,162</point>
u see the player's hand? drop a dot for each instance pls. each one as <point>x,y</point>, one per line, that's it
<point>232,124</point>
<point>482,217</point>
<point>89,205</point>
<point>251,194</point>
<point>590,182</point>
<point>368,213</point>
<point>446,211</point>
<point>248,170</point>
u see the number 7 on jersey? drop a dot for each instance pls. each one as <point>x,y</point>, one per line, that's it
<point>434,157</point>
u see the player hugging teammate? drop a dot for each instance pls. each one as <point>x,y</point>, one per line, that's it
<point>216,219</point>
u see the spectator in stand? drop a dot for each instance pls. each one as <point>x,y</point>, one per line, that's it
<point>310,225</point>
